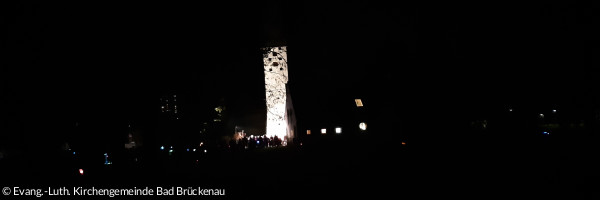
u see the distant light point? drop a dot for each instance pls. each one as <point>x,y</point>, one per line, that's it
<point>362,126</point>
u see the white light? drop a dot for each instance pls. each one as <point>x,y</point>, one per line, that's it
<point>194,150</point>
<point>162,147</point>
<point>541,115</point>
<point>510,110</point>
<point>362,126</point>
<point>358,102</point>
<point>323,131</point>
<point>275,90</point>
<point>204,150</point>
<point>81,171</point>
<point>554,111</point>
<point>338,130</point>
<point>170,150</point>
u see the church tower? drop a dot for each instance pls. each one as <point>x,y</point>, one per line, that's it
<point>278,107</point>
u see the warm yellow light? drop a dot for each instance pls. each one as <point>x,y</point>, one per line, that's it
<point>358,102</point>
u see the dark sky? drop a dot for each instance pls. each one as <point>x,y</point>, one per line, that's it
<point>77,60</point>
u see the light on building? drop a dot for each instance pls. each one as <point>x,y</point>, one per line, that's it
<point>275,90</point>
<point>323,131</point>
<point>358,102</point>
<point>362,126</point>
<point>307,132</point>
<point>338,130</point>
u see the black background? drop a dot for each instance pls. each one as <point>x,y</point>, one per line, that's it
<point>107,63</point>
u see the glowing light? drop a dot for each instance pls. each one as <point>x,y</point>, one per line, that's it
<point>204,150</point>
<point>170,150</point>
<point>545,133</point>
<point>73,153</point>
<point>171,147</point>
<point>541,115</point>
<point>194,150</point>
<point>81,172</point>
<point>338,130</point>
<point>553,111</point>
<point>358,102</point>
<point>257,142</point>
<point>275,89</point>
<point>510,110</point>
<point>362,126</point>
<point>162,147</point>
<point>307,132</point>
<point>188,149</point>
<point>403,143</point>
<point>324,131</point>
<point>201,143</point>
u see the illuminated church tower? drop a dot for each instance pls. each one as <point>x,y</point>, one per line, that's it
<point>280,116</point>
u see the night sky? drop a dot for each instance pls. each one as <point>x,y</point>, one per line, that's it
<point>108,63</point>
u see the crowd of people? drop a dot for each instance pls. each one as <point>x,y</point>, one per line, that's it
<point>256,142</point>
